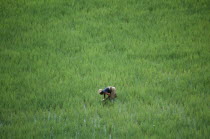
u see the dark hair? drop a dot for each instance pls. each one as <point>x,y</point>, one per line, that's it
<point>101,92</point>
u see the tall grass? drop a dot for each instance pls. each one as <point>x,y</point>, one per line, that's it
<point>55,55</point>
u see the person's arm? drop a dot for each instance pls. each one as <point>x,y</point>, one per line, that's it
<point>105,93</point>
<point>109,94</point>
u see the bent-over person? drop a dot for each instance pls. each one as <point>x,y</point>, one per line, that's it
<point>110,91</point>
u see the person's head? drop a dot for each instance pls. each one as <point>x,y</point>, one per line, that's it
<point>100,91</point>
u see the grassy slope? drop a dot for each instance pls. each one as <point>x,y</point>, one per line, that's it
<point>55,55</point>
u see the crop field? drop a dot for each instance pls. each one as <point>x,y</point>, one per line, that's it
<point>56,54</point>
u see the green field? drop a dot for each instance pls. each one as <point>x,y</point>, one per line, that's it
<point>56,54</point>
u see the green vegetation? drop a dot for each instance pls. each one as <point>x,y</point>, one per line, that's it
<point>55,55</point>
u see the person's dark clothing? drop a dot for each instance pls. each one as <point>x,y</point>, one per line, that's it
<point>106,90</point>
